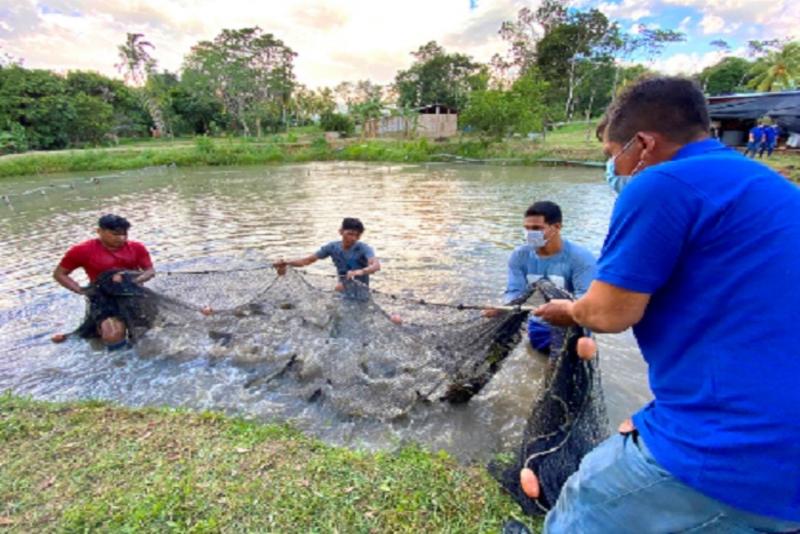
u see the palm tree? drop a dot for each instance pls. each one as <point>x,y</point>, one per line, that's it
<point>779,70</point>
<point>136,65</point>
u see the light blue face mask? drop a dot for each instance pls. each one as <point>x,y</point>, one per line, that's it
<point>534,238</point>
<point>616,181</point>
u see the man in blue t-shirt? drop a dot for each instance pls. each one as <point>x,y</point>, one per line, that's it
<point>701,259</point>
<point>770,138</point>
<point>546,254</point>
<point>353,259</point>
<point>755,138</point>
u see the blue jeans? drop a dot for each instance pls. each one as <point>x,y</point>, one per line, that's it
<point>752,148</point>
<point>620,488</point>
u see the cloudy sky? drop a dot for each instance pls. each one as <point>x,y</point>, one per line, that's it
<point>356,39</point>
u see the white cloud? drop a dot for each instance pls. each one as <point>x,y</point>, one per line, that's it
<point>627,9</point>
<point>781,18</point>
<point>712,24</point>
<point>335,39</point>
<point>687,63</point>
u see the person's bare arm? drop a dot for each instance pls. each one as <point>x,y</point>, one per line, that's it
<point>281,264</point>
<point>605,309</point>
<point>373,266</point>
<point>64,279</point>
<point>145,275</point>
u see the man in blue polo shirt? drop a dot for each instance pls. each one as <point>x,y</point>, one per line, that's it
<point>770,138</point>
<point>701,258</point>
<point>755,138</point>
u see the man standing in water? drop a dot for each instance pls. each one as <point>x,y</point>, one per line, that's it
<point>546,254</point>
<point>111,250</point>
<point>699,259</point>
<point>352,258</point>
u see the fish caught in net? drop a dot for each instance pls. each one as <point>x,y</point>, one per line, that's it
<point>567,420</point>
<point>295,335</point>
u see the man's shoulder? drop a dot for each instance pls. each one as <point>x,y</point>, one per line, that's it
<point>579,252</point>
<point>710,170</point>
<point>522,252</point>
<point>137,246</point>
<point>85,246</point>
<point>364,247</point>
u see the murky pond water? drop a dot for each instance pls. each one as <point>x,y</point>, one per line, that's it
<point>443,233</point>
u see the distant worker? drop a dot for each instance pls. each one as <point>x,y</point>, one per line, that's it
<point>353,259</point>
<point>110,251</point>
<point>754,139</point>
<point>770,140</point>
<point>546,254</point>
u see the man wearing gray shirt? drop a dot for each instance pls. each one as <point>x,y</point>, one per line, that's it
<point>353,259</point>
<point>546,254</point>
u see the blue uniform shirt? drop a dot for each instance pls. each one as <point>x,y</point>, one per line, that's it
<point>714,238</point>
<point>758,134</point>
<point>356,257</point>
<point>573,268</point>
<point>769,135</point>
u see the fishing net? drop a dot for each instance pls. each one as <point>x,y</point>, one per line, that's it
<point>567,420</point>
<point>363,353</point>
<point>295,334</point>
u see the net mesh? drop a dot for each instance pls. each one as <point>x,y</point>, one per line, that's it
<point>567,420</point>
<point>364,353</point>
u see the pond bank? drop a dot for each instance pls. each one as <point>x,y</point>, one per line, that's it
<point>94,466</point>
<point>213,152</point>
<point>560,148</point>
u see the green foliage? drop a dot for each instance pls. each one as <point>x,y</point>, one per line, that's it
<point>437,77</point>
<point>728,76</point>
<point>336,122</point>
<point>251,73</point>
<point>495,113</point>
<point>778,70</point>
<point>13,140</point>
<point>36,100</point>
<point>93,119</point>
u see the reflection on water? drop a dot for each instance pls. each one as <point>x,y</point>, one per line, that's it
<point>442,232</point>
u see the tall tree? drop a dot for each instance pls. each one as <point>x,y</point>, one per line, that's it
<point>252,72</point>
<point>727,76</point>
<point>496,113</point>
<point>437,77</point>
<point>136,65</point>
<point>572,48</point>
<point>778,70</point>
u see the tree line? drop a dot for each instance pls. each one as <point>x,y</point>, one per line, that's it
<point>561,64</point>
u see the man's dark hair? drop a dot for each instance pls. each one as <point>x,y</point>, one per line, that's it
<point>351,223</point>
<point>549,210</point>
<point>672,106</point>
<point>113,222</point>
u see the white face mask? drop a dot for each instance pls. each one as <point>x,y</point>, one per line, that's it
<point>534,238</point>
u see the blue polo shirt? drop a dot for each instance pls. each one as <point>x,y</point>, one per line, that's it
<point>758,134</point>
<point>714,238</point>
<point>769,134</point>
<point>354,258</point>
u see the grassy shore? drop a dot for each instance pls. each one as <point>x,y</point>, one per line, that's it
<point>573,143</point>
<point>90,466</point>
<point>297,147</point>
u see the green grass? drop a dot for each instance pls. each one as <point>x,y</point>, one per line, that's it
<point>571,143</point>
<point>79,467</point>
